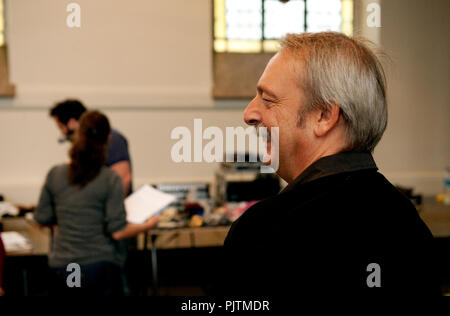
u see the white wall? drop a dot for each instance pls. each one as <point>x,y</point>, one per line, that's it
<point>147,64</point>
<point>29,146</point>
<point>126,53</point>
<point>416,146</point>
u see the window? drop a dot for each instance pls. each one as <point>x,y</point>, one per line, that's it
<point>253,26</point>
<point>6,88</point>
<point>2,25</point>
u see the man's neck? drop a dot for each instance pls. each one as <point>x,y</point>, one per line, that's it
<point>304,161</point>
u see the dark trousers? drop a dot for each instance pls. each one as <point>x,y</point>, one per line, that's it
<point>97,279</point>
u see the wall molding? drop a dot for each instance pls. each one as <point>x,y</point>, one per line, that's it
<point>29,95</point>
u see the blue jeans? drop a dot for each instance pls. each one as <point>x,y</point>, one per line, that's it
<point>97,279</point>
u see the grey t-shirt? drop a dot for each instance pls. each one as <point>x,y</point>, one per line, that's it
<point>85,217</point>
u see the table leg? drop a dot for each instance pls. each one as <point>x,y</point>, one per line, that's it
<point>154,265</point>
<point>25,282</point>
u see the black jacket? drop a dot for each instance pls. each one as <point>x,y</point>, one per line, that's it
<point>322,233</point>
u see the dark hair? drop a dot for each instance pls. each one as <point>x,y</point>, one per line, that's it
<point>88,152</point>
<point>67,109</point>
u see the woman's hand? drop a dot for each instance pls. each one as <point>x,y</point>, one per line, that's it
<point>152,221</point>
<point>132,230</point>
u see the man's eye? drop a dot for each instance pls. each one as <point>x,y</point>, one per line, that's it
<point>267,101</point>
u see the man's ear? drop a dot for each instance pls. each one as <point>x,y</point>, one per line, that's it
<point>72,124</point>
<point>326,119</point>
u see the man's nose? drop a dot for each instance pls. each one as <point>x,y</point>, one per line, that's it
<point>252,115</point>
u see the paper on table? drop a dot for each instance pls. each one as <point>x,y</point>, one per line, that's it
<point>146,202</point>
<point>14,241</point>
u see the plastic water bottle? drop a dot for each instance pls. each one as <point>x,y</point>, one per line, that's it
<point>447,186</point>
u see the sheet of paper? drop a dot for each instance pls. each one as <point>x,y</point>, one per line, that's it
<point>146,202</point>
<point>14,242</point>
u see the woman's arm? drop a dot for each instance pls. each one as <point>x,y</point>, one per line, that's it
<point>45,213</point>
<point>117,224</point>
<point>132,230</point>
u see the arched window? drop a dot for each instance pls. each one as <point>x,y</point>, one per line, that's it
<point>255,25</point>
<point>6,88</point>
<point>246,34</point>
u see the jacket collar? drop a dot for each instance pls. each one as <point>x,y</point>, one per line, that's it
<point>330,165</point>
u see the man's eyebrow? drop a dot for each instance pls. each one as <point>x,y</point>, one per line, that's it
<point>262,89</point>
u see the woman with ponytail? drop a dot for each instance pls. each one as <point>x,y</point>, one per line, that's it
<point>84,199</point>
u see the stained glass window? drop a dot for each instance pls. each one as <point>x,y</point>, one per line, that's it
<point>2,25</point>
<point>256,25</point>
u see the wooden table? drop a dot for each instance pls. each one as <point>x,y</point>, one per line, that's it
<point>188,237</point>
<point>39,238</point>
<point>436,216</point>
<point>159,238</point>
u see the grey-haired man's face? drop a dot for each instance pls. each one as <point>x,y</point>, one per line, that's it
<point>277,104</point>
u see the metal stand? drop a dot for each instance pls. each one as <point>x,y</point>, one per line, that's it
<point>154,264</point>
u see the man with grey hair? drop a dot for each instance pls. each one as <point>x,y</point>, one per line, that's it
<point>339,227</point>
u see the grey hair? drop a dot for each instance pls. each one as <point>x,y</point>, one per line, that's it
<point>344,71</point>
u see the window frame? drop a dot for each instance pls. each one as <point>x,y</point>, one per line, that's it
<point>7,89</point>
<point>221,44</point>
